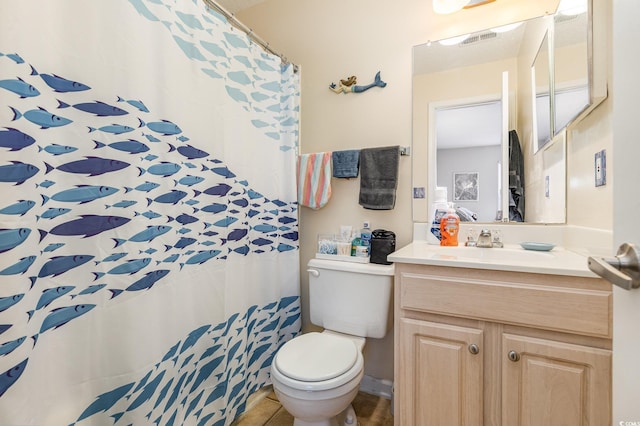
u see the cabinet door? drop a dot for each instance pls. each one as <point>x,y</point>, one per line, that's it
<point>440,374</point>
<point>545,382</point>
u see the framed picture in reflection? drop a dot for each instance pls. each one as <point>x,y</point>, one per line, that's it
<point>465,186</point>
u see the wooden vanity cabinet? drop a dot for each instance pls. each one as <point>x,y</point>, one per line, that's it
<point>479,347</point>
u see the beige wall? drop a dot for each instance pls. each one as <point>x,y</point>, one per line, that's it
<point>334,39</point>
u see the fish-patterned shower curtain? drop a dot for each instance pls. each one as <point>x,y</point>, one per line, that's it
<point>148,224</point>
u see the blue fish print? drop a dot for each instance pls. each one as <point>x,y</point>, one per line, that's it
<point>243,250</point>
<point>135,103</point>
<point>19,267</point>
<point>291,236</point>
<point>171,197</point>
<point>223,171</point>
<point>115,129</point>
<point>214,49</point>
<point>84,193</point>
<point>189,49</point>
<point>261,242</point>
<point>14,139</point>
<point>17,172</point>
<point>60,84</point>
<point>122,204</point>
<point>190,152</point>
<point>11,238</point>
<point>149,214</point>
<point>98,108</point>
<point>227,221</point>
<point>285,247</point>
<point>264,228</point>
<point>201,257</point>
<point>20,88</point>
<point>105,401</point>
<point>220,190</point>
<point>88,225</point>
<point>51,294</point>
<point>56,149</point>
<point>183,242</point>
<point>148,280</point>
<point>60,316</point>
<point>60,264</point>
<point>214,208</point>
<point>130,267</point>
<point>143,10</point>
<point>190,180</point>
<point>169,259</point>
<point>147,393</point>
<point>239,77</point>
<point>147,186</point>
<point>235,40</point>
<point>151,138</point>
<point>52,247</point>
<point>236,235</point>
<point>164,169</point>
<point>237,94</point>
<point>41,117</point>
<point>14,57</point>
<point>91,166</point>
<point>113,257</point>
<point>53,212</point>
<point>19,208</point>
<point>8,347</point>
<point>4,327</point>
<point>190,20</point>
<point>165,127</point>
<point>146,235</point>
<point>185,219</point>
<point>10,376</point>
<point>131,146</point>
<point>92,289</point>
<point>9,301</point>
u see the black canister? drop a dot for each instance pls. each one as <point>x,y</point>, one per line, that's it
<point>383,243</point>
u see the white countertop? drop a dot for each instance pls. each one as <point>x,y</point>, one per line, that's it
<point>514,258</point>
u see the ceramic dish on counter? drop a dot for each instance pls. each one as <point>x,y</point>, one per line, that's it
<point>537,246</point>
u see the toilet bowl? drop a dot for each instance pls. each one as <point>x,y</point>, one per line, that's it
<point>316,376</point>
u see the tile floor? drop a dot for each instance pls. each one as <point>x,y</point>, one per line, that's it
<point>370,409</point>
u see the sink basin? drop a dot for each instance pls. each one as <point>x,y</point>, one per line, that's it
<point>507,253</point>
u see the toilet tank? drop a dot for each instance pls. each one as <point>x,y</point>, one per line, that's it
<point>351,298</point>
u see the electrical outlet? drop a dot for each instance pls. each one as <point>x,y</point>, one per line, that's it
<point>546,186</point>
<point>601,168</point>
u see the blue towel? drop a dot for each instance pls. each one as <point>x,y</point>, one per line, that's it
<point>345,163</point>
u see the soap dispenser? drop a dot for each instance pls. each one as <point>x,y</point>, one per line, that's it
<point>449,227</point>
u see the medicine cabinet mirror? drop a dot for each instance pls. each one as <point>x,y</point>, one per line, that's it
<point>469,73</point>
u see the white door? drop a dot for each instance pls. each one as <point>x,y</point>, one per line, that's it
<point>624,171</point>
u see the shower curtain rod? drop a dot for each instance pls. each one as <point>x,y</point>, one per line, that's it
<point>253,36</point>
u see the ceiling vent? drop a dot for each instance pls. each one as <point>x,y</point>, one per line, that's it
<point>479,37</point>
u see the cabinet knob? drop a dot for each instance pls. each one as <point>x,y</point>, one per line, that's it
<point>474,349</point>
<point>513,356</point>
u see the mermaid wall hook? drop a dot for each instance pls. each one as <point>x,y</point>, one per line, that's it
<point>349,85</point>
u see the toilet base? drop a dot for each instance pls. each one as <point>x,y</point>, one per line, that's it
<point>346,418</point>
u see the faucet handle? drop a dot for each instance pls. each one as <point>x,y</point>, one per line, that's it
<point>496,238</point>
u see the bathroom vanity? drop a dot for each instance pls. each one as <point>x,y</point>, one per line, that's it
<point>500,336</point>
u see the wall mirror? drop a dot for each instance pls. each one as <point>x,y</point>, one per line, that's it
<point>465,74</point>
<point>541,80</point>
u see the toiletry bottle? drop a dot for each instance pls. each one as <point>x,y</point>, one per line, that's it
<point>449,227</point>
<point>365,233</point>
<point>355,243</point>
<point>437,211</point>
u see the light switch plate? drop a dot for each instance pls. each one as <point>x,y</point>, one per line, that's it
<point>546,186</point>
<point>601,168</point>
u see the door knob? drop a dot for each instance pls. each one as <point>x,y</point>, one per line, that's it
<point>622,270</point>
<point>474,349</point>
<point>513,356</point>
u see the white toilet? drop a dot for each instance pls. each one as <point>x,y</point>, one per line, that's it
<point>316,376</point>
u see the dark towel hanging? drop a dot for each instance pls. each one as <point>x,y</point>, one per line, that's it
<point>379,177</point>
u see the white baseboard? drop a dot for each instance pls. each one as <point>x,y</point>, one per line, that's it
<point>379,387</point>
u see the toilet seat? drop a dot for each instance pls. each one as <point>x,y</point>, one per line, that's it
<point>317,361</point>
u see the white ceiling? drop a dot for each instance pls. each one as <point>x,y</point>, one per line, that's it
<point>234,6</point>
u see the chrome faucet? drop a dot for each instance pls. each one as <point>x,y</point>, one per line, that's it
<point>484,239</point>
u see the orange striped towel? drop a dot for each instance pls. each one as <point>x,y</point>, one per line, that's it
<point>314,179</point>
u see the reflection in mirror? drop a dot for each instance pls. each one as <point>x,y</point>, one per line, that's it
<point>468,141</point>
<point>540,77</point>
<point>571,66</point>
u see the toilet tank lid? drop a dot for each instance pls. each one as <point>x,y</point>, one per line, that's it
<point>362,268</point>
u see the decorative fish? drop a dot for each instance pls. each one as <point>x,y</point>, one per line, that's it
<point>113,257</point>
<point>115,129</point>
<point>52,247</point>
<point>45,184</point>
<point>148,280</point>
<point>10,376</point>
<point>14,57</point>
<point>105,401</point>
<point>182,243</point>
<point>236,235</point>
<point>92,289</point>
<point>9,301</point>
<point>185,219</point>
<point>98,108</point>
<point>19,267</point>
<point>8,347</point>
<point>84,193</point>
<point>221,190</point>
<point>223,171</point>
<point>60,316</point>
<point>285,247</point>
<point>171,197</point>
<point>131,146</point>
<point>11,238</point>
<point>261,242</point>
<point>51,294</point>
<point>17,172</point>
<point>214,208</point>
<point>227,221</point>
<point>130,267</point>
<point>60,84</point>
<point>189,151</point>
<point>164,169</point>
<point>165,127</point>
<point>201,257</point>
<point>19,208</point>
<point>60,264</point>
<point>135,103</point>
<point>123,204</point>
<point>88,226</point>
<point>147,186</point>
<point>91,166</point>
<point>291,236</point>
<point>264,228</point>
<point>53,212</point>
<point>20,88</point>
<point>14,139</point>
<point>146,235</point>
<point>41,117</point>
<point>56,149</point>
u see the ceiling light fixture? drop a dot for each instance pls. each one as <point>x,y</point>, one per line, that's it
<point>444,7</point>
